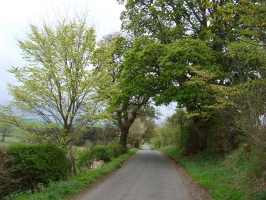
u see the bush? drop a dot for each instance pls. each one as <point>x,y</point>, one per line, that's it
<point>6,182</point>
<point>101,152</point>
<point>32,165</point>
<point>250,101</point>
<point>116,150</point>
<point>85,159</point>
<point>215,132</point>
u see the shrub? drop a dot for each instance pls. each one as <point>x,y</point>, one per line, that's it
<point>36,164</point>
<point>116,150</point>
<point>215,132</point>
<point>101,152</point>
<point>6,182</point>
<point>250,101</point>
<point>85,159</point>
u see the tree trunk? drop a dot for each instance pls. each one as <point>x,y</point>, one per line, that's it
<point>72,160</point>
<point>124,137</point>
<point>70,150</point>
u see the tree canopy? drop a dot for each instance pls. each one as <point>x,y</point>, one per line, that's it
<point>56,83</point>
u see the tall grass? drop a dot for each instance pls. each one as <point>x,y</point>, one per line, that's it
<point>224,177</point>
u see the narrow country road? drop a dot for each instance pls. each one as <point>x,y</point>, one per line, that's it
<point>147,176</point>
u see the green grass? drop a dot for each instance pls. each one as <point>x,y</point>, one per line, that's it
<point>225,178</point>
<point>66,189</point>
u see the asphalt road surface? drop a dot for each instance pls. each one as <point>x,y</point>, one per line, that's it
<point>147,176</point>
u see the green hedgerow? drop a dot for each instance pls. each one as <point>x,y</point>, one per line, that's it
<point>32,165</point>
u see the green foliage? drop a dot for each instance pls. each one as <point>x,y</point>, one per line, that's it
<point>107,59</point>
<point>101,152</point>
<point>84,159</point>
<point>254,19</point>
<point>142,129</point>
<point>250,101</point>
<point>225,179</point>
<point>116,150</point>
<point>196,95</point>
<point>56,82</point>
<point>260,196</point>
<point>170,133</point>
<point>123,105</point>
<point>155,70</point>
<point>194,134</point>
<point>247,60</point>
<point>214,131</point>
<point>66,189</point>
<point>165,136</point>
<point>140,75</point>
<point>7,183</point>
<point>155,18</point>
<point>189,51</point>
<point>168,20</point>
<point>32,165</point>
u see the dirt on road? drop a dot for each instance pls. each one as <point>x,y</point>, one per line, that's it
<point>147,176</point>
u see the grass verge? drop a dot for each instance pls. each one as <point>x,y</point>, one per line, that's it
<point>225,178</point>
<point>65,189</point>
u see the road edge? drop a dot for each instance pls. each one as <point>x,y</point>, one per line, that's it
<point>197,191</point>
<point>101,179</point>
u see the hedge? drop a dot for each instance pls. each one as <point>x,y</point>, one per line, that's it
<point>32,165</point>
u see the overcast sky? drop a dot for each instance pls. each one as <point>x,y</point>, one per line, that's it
<point>17,15</point>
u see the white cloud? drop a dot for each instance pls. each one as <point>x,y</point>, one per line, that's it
<point>165,111</point>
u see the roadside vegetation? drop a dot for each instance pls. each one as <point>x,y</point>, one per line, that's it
<point>233,174</point>
<point>43,171</point>
<point>224,177</point>
<point>74,185</point>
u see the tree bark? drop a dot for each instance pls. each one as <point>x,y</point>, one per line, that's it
<point>72,160</point>
<point>70,149</point>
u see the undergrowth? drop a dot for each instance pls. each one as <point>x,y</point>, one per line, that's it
<point>224,177</point>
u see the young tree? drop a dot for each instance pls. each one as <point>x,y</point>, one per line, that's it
<point>56,84</point>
